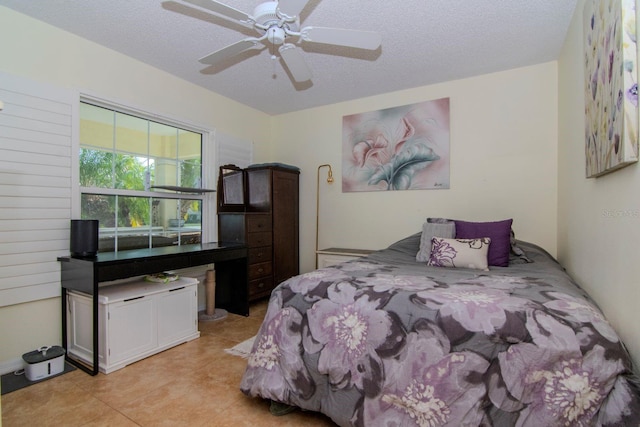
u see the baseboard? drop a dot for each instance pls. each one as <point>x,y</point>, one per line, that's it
<point>11,365</point>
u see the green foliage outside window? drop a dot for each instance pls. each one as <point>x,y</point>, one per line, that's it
<point>96,170</point>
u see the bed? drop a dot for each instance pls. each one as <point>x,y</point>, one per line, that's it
<point>388,341</point>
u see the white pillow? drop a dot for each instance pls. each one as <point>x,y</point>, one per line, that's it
<point>469,253</point>
<point>431,230</point>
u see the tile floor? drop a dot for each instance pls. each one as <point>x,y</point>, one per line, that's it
<point>193,384</point>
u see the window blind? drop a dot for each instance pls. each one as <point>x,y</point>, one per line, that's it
<point>35,187</point>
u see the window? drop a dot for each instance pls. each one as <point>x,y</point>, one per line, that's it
<point>139,177</point>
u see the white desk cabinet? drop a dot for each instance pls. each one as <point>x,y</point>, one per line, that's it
<point>135,320</point>
<point>177,315</point>
<point>333,256</point>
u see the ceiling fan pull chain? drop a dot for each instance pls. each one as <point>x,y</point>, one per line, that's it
<point>274,59</point>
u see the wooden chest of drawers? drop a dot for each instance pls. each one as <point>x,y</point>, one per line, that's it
<point>259,239</point>
<point>267,222</point>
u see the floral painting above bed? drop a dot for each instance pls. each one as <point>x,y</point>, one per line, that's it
<point>611,85</point>
<point>400,148</point>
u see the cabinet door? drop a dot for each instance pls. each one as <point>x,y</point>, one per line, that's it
<point>231,227</point>
<point>285,225</point>
<point>259,189</point>
<point>177,313</point>
<point>80,327</point>
<point>131,328</point>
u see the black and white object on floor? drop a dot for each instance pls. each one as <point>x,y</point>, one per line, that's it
<point>44,362</point>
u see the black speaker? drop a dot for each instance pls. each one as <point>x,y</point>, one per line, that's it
<point>84,237</point>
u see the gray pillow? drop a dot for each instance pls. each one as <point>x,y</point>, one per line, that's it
<point>445,230</point>
<point>439,220</point>
<point>517,255</point>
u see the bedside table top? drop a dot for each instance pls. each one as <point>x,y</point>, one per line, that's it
<point>345,251</point>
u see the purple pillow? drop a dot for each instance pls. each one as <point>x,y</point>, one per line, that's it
<point>498,231</point>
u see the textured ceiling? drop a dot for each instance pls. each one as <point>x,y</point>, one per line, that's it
<point>423,42</point>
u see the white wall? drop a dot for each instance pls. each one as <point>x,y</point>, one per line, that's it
<point>37,51</point>
<point>503,163</point>
<point>598,218</point>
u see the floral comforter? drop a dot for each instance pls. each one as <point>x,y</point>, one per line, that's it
<point>386,341</point>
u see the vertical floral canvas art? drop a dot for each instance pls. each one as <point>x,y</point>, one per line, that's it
<point>611,85</point>
<point>400,148</point>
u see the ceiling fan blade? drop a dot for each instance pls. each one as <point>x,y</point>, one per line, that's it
<point>229,51</point>
<point>295,62</point>
<point>291,8</point>
<point>222,9</point>
<point>369,40</point>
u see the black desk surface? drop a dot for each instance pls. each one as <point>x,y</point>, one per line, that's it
<point>137,254</point>
<point>83,274</point>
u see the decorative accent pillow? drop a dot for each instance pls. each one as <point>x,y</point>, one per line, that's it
<point>498,231</point>
<point>431,230</point>
<point>469,253</point>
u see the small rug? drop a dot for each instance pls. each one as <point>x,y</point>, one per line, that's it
<point>15,381</point>
<point>243,349</point>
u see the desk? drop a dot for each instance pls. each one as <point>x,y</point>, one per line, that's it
<point>84,275</point>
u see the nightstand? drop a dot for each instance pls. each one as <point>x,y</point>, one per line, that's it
<point>331,256</point>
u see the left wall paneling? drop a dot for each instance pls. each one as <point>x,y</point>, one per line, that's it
<point>36,132</point>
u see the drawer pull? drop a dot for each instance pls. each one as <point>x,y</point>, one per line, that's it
<point>134,298</point>
<point>261,270</point>
<point>176,289</point>
<point>261,285</point>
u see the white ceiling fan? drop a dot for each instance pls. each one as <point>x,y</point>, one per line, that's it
<point>278,23</point>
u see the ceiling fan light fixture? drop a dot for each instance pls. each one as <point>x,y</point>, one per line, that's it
<point>276,35</point>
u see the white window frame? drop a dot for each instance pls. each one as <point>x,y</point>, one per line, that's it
<point>209,164</point>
